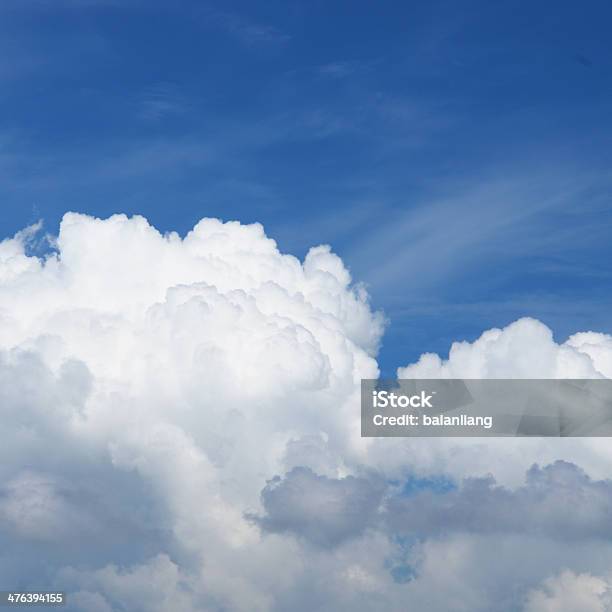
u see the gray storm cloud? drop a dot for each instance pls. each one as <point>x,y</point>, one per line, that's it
<point>324,511</point>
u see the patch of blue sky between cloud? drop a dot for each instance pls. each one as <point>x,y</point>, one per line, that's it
<point>436,484</point>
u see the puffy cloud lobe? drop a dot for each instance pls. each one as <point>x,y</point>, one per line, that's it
<point>570,592</point>
<point>155,586</point>
<point>524,349</point>
<point>33,507</point>
<point>597,346</point>
<point>324,511</point>
<point>556,501</point>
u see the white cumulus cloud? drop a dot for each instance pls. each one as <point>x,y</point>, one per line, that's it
<point>180,426</point>
<point>570,592</point>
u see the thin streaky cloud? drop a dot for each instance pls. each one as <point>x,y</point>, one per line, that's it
<point>340,69</point>
<point>162,100</point>
<point>247,31</point>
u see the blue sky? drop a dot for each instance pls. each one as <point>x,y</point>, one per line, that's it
<point>456,155</point>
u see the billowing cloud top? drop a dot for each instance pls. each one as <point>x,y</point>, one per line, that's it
<point>524,349</point>
<point>180,426</point>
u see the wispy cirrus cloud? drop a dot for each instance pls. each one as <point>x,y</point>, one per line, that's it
<point>340,69</point>
<point>495,217</point>
<point>246,30</point>
<point>162,100</point>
